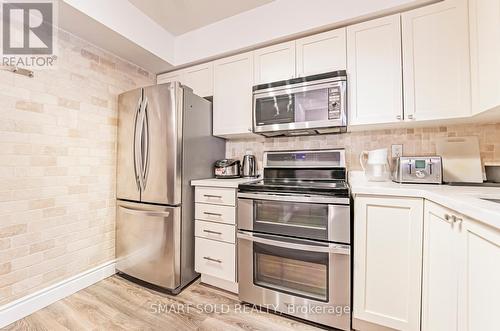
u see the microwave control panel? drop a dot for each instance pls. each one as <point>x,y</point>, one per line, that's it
<point>334,103</point>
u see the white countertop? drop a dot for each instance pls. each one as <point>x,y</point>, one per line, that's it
<point>462,199</point>
<point>229,182</point>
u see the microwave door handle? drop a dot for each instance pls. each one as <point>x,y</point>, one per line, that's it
<point>331,248</point>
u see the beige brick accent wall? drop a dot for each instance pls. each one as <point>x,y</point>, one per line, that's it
<point>58,166</point>
<point>416,141</point>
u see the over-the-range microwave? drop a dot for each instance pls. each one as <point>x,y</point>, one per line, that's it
<point>301,106</point>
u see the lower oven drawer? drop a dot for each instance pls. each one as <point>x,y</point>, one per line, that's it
<point>215,258</point>
<point>215,231</point>
<point>296,276</point>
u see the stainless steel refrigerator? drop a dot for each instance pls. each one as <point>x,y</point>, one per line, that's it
<point>164,140</point>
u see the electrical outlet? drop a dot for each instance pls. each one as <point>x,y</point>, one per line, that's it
<point>396,151</point>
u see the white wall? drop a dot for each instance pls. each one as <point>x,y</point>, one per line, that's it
<point>278,19</point>
<point>125,19</point>
<point>262,25</point>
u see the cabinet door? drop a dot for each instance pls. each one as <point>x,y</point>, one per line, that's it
<point>375,78</point>
<point>484,17</point>
<point>174,76</point>
<point>479,285</point>
<point>320,53</point>
<point>440,270</point>
<point>388,261</point>
<point>233,95</point>
<point>200,79</point>
<point>274,63</point>
<point>436,62</point>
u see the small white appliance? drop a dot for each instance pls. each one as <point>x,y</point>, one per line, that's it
<point>375,164</point>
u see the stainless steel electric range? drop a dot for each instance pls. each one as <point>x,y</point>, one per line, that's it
<point>294,237</point>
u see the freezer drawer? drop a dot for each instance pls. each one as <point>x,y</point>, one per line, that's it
<point>148,243</point>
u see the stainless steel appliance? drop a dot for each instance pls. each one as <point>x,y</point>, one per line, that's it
<point>415,169</point>
<point>227,168</point>
<point>164,141</point>
<point>249,167</point>
<point>294,237</point>
<point>302,106</point>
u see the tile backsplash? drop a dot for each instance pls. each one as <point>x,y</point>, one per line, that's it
<point>415,141</point>
<point>58,166</point>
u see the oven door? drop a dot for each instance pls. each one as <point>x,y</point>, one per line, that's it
<point>296,215</point>
<point>303,278</point>
<point>300,107</point>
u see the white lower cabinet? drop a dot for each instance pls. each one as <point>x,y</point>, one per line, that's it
<point>215,236</point>
<point>398,239</point>
<point>388,261</point>
<point>479,281</point>
<point>440,269</point>
<point>461,288</point>
<point>215,258</point>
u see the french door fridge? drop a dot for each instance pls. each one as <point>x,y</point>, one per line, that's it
<point>164,140</point>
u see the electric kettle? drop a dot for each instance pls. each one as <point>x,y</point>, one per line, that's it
<point>375,164</point>
<point>249,165</point>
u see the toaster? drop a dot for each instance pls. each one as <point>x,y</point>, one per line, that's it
<point>227,168</point>
<point>418,170</point>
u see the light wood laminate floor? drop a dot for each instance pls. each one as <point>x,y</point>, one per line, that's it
<point>117,304</point>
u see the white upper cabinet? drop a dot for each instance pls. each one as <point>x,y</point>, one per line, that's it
<point>440,269</point>
<point>388,261</point>
<point>436,63</point>
<point>173,76</point>
<point>484,18</point>
<point>232,104</point>
<point>321,53</point>
<point>200,78</point>
<point>374,70</point>
<point>274,63</point>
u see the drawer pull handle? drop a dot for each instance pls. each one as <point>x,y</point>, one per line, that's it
<point>211,259</point>
<point>211,214</point>
<point>212,196</point>
<point>212,232</point>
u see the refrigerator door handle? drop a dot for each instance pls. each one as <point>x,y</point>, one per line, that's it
<point>163,214</point>
<point>146,137</point>
<point>137,165</point>
<point>139,143</point>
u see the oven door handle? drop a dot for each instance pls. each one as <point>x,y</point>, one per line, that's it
<point>293,198</point>
<point>330,248</point>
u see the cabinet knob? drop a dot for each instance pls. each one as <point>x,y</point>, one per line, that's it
<point>411,117</point>
<point>398,117</point>
<point>249,129</point>
<point>456,219</point>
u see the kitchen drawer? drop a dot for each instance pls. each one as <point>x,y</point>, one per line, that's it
<point>215,258</point>
<point>215,213</point>
<point>215,195</point>
<point>215,231</point>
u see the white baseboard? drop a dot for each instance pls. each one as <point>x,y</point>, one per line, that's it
<point>220,283</point>
<point>29,304</point>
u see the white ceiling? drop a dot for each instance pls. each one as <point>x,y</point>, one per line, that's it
<point>181,16</point>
